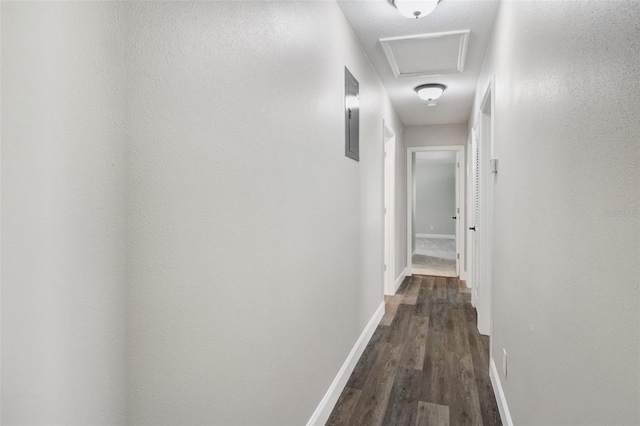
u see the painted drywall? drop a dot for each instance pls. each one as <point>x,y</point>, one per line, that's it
<point>255,244</point>
<point>435,199</point>
<point>436,135</point>
<point>63,243</point>
<point>567,196</point>
<point>0,216</point>
<point>131,127</point>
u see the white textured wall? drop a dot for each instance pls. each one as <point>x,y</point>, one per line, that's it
<point>63,246</point>
<point>436,135</point>
<point>255,244</point>
<point>567,231</point>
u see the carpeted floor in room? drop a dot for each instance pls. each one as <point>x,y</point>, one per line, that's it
<point>434,256</point>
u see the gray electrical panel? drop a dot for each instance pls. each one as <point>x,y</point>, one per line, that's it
<point>351,116</point>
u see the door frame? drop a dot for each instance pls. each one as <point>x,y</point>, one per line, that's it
<point>460,201</point>
<point>470,178</point>
<point>485,131</point>
<point>389,212</point>
<point>473,237</point>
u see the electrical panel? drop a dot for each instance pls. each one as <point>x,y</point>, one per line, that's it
<point>352,116</point>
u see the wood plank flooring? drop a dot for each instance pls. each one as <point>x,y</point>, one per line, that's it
<point>426,363</point>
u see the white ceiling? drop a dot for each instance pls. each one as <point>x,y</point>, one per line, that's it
<point>372,20</point>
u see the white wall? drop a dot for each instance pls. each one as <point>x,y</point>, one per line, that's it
<point>63,244</point>
<point>567,269</point>
<point>435,188</point>
<point>255,244</point>
<point>168,175</point>
<point>0,215</point>
<point>436,135</point>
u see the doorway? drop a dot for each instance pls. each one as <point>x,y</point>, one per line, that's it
<point>435,211</point>
<point>481,218</point>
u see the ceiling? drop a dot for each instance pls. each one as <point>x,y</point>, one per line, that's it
<point>372,20</point>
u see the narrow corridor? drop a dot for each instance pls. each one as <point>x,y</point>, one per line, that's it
<point>426,363</point>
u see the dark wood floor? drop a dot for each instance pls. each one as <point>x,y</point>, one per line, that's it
<point>426,363</point>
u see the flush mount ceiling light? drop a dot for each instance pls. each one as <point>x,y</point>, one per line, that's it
<point>430,92</point>
<point>415,8</point>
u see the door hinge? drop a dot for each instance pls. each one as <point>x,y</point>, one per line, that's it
<point>458,209</point>
<point>458,165</point>
<point>385,268</point>
<point>458,256</point>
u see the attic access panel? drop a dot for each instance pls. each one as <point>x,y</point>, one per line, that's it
<point>427,54</point>
<point>351,116</point>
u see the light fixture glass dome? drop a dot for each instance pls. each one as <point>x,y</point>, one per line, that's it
<point>415,8</point>
<point>430,92</point>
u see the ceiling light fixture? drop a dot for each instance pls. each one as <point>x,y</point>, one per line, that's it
<point>415,8</point>
<point>430,92</point>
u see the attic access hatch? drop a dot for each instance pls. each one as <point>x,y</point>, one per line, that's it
<point>427,54</point>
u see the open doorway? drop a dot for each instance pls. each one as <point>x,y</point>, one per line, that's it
<point>482,215</point>
<point>435,211</point>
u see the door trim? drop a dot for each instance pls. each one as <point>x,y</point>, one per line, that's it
<point>389,212</point>
<point>485,130</point>
<point>460,186</point>
<point>470,176</point>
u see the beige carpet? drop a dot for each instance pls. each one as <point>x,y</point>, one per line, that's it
<point>429,265</point>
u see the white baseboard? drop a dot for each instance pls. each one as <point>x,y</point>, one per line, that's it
<point>500,398</point>
<point>405,273</point>
<point>450,237</point>
<point>323,411</point>
<point>463,277</point>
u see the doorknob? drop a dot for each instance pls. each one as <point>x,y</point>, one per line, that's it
<point>454,217</point>
<point>472,228</point>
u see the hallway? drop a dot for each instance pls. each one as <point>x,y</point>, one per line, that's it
<point>426,363</point>
<point>146,145</point>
